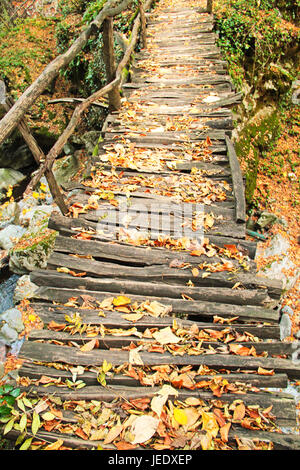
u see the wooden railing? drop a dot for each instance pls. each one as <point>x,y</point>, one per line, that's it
<point>15,112</point>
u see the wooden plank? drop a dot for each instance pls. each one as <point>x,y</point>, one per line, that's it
<point>112,319</point>
<point>34,351</point>
<point>163,274</point>
<point>152,289</point>
<point>238,183</point>
<point>35,371</point>
<point>131,255</point>
<point>66,226</point>
<point>198,309</point>
<point>107,342</point>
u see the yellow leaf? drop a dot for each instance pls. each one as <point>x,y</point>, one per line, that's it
<point>43,187</point>
<point>121,300</point>
<point>10,191</point>
<point>209,423</point>
<point>89,346</point>
<point>180,416</point>
<point>106,366</point>
<point>195,272</point>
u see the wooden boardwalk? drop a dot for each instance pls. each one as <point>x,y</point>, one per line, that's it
<point>152,281</point>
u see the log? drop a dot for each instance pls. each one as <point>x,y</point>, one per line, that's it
<point>110,63</point>
<point>163,274</point>
<point>32,351</point>
<point>238,183</point>
<point>77,100</point>
<point>48,312</point>
<point>35,371</point>
<point>151,289</point>
<point>107,342</point>
<point>200,310</point>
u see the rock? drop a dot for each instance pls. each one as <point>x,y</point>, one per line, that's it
<point>88,139</point>
<point>32,251</point>
<point>285,326</point>
<point>279,248</point>
<point>10,235</point>
<point>287,310</point>
<point>48,196</point>
<point>9,214</point>
<point>2,352</point>
<point>266,219</point>
<point>64,169</point>
<point>8,335</point>
<point>13,318</point>
<point>17,159</point>
<point>25,289</point>
<point>36,216</point>
<point>9,177</point>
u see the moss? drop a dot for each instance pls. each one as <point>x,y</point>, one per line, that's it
<point>257,137</point>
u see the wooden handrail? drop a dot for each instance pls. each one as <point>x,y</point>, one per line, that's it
<point>109,88</point>
<point>209,7</point>
<point>16,111</point>
<point>27,99</point>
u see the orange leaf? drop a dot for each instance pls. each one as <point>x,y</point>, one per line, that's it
<point>80,433</point>
<point>224,430</point>
<point>239,412</point>
<point>123,445</point>
<point>232,248</point>
<point>262,371</point>
<point>197,252</point>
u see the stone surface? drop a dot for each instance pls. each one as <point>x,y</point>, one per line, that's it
<point>25,289</point>
<point>9,214</point>
<point>65,168</point>
<point>8,335</point>
<point>10,235</point>
<point>13,318</point>
<point>9,177</point>
<point>32,252</point>
<point>277,269</point>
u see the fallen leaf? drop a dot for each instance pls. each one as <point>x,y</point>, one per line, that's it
<point>89,346</point>
<point>180,416</point>
<point>143,428</point>
<point>121,300</point>
<point>113,433</point>
<point>166,336</point>
<point>239,412</point>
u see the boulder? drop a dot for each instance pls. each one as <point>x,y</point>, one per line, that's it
<point>13,318</point>
<point>9,214</point>
<point>10,235</point>
<point>8,335</point>
<point>9,177</point>
<point>64,169</point>
<point>25,289</point>
<point>32,251</point>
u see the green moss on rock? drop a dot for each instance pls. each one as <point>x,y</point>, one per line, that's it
<point>256,137</point>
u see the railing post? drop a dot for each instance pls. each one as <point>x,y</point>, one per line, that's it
<point>110,63</point>
<point>7,103</point>
<point>143,23</point>
<point>209,6</point>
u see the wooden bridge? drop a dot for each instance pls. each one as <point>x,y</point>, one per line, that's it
<point>153,315</point>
